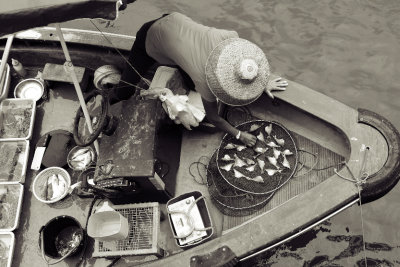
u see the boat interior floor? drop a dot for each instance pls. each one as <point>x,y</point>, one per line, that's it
<point>58,112</point>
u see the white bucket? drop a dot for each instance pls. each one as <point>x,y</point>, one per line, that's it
<point>108,226</point>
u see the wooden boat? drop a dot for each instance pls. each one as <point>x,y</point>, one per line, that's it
<point>365,141</point>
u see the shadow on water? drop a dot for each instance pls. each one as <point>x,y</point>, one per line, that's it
<point>349,251</point>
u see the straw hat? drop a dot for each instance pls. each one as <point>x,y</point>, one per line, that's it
<point>237,71</point>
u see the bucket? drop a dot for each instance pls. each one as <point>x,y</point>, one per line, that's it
<point>108,226</point>
<point>60,238</point>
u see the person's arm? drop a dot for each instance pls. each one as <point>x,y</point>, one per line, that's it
<point>211,109</point>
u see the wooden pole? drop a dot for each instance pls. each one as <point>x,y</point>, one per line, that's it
<point>70,69</point>
<point>6,52</point>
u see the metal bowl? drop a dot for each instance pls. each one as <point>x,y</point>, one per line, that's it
<point>29,88</point>
<point>88,158</point>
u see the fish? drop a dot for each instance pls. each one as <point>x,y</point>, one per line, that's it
<point>251,168</point>
<point>271,171</point>
<point>227,167</point>
<point>254,127</point>
<point>280,141</point>
<point>268,129</point>
<point>226,157</point>
<point>79,152</point>
<point>257,179</point>
<point>261,149</point>
<point>276,153</point>
<point>261,163</point>
<point>285,163</point>
<point>273,161</point>
<point>82,160</point>
<point>249,161</point>
<point>238,174</point>
<point>240,148</point>
<point>239,162</point>
<point>56,186</point>
<point>272,144</point>
<point>287,152</point>
<point>260,137</point>
<point>230,146</point>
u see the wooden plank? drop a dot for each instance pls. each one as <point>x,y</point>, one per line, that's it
<point>77,36</point>
<point>56,72</point>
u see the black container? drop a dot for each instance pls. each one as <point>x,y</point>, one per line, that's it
<point>52,230</point>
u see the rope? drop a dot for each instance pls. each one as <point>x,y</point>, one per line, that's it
<point>203,180</point>
<point>358,182</point>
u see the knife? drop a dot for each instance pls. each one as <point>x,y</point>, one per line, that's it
<point>39,152</point>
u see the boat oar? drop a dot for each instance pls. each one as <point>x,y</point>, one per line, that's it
<point>70,69</point>
<point>4,58</point>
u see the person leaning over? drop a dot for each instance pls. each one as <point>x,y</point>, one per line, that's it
<point>216,62</point>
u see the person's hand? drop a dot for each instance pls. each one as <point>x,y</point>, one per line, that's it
<point>247,139</point>
<point>277,84</point>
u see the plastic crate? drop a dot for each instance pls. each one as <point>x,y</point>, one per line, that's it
<point>7,242</point>
<point>144,230</point>
<point>11,200</point>
<point>13,159</point>
<point>13,115</point>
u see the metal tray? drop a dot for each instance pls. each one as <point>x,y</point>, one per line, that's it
<point>11,203</point>
<point>7,242</point>
<point>13,159</point>
<point>11,123</point>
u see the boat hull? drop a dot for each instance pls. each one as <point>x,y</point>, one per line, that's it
<point>366,142</point>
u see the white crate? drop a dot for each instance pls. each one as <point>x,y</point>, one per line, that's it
<point>13,161</point>
<point>15,202</point>
<point>15,103</point>
<point>8,240</point>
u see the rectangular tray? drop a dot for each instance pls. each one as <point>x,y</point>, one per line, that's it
<point>12,117</point>
<point>11,203</point>
<point>13,161</point>
<point>7,242</point>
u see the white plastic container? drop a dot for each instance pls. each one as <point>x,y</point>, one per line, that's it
<point>108,225</point>
<point>13,161</point>
<point>12,117</point>
<point>5,83</point>
<point>12,194</point>
<point>8,241</point>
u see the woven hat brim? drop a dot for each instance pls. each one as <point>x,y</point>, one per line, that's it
<point>221,72</point>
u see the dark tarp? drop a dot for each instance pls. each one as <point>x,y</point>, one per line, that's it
<point>17,15</point>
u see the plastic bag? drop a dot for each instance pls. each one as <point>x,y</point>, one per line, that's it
<point>176,106</point>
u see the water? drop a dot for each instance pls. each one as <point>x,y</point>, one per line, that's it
<point>348,50</point>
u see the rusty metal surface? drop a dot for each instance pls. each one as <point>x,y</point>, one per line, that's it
<point>131,148</point>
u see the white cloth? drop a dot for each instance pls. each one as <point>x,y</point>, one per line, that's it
<point>177,107</point>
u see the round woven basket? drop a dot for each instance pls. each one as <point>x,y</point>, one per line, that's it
<point>41,179</point>
<point>225,76</point>
<point>229,200</point>
<point>270,183</point>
